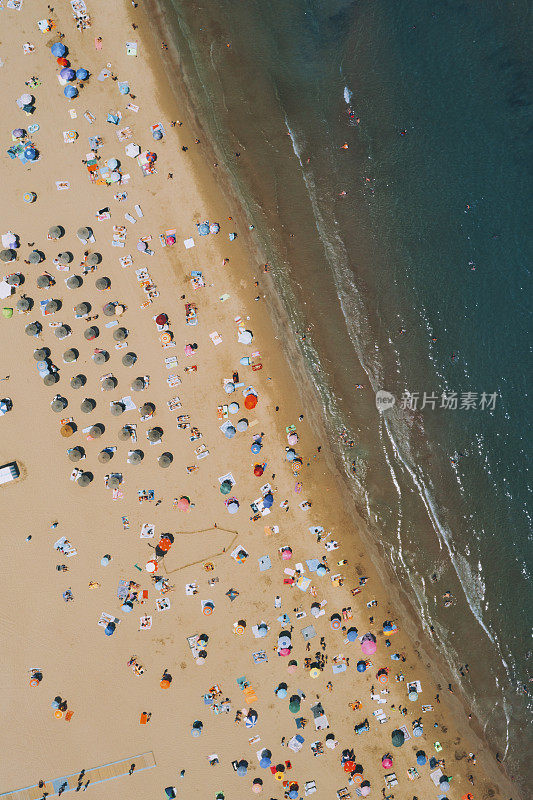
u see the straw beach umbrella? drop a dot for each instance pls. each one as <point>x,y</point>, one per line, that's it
<point>114,481</point>
<point>154,434</point>
<point>104,456</point>
<point>120,334</point>
<point>165,460</point>
<point>93,259</point>
<point>109,383</point>
<point>41,353</point>
<point>96,430</point>
<point>124,434</point>
<point>7,255</point>
<point>129,359</point>
<point>117,409</point>
<point>44,281</point>
<point>146,409</point>
<point>82,309</point>
<point>135,457</point>
<point>110,309</point>
<point>74,282</point>
<point>52,306</point>
<point>85,479</point>
<point>91,333</point>
<point>137,385</point>
<point>101,357</point>
<point>88,405</point>
<point>83,234</point>
<point>15,279</point>
<point>78,381</point>
<point>35,257</point>
<point>70,355</point>
<point>33,329</point>
<point>62,332</point>
<point>59,404</point>
<point>50,379</point>
<point>76,453</point>
<point>24,304</point>
<point>55,232</point>
<point>65,258</point>
<point>102,283</point>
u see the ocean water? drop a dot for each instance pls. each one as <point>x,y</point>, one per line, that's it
<point>383,161</point>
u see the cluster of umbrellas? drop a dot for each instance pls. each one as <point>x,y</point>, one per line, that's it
<point>68,74</point>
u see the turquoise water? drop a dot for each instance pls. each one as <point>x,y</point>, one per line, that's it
<point>405,259</point>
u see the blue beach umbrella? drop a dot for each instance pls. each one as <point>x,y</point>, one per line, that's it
<point>230,432</point>
<point>58,49</point>
<point>233,507</point>
<point>265,762</point>
<point>110,629</point>
<point>30,153</point>
<point>229,387</point>
<point>67,73</point>
<point>242,768</point>
<point>268,500</point>
<point>421,758</point>
<point>127,607</point>
<point>293,794</point>
<point>157,135</point>
<point>291,455</point>
<point>70,91</point>
<point>321,570</point>
<point>281,693</point>
<point>203,228</point>
<point>284,641</point>
<point>256,448</point>
<point>361,666</point>
<point>418,731</point>
<point>82,74</point>
<point>352,634</point>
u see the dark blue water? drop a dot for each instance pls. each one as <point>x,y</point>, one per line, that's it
<point>408,268</point>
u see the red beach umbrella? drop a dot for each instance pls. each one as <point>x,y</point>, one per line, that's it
<point>161,319</point>
<point>250,401</point>
<point>258,470</point>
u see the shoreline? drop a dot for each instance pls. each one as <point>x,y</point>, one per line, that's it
<point>425,649</point>
<point>276,368</point>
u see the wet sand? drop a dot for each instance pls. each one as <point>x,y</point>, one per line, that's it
<point>40,630</point>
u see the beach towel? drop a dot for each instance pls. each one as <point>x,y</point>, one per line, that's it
<point>145,623</point>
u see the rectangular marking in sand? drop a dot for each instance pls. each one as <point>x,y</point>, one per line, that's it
<point>106,772</point>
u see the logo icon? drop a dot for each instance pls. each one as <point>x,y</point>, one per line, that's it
<point>384,400</point>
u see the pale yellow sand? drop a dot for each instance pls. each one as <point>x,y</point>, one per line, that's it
<point>37,628</point>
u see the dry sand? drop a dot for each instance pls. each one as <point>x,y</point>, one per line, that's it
<point>38,629</point>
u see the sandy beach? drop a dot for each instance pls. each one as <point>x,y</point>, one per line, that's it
<point>188,293</point>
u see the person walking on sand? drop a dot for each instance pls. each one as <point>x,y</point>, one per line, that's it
<point>131,769</point>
